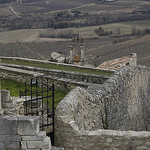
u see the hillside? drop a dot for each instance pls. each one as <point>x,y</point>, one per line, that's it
<point>22,21</point>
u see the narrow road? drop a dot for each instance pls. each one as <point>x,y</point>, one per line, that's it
<point>12,10</point>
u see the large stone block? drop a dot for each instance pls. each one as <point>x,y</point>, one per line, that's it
<point>12,145</point>
<point>10,138</point>
<point>40,137</point>
<point>46,144</point>
<point>23,145</point>
<point>28,125</point>
<point>8,105</point>
<point>8,126</point>
<point>5,95</point>
<point>1,145</point>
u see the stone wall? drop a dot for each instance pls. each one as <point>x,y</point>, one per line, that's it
<point>53,63</point>
<point>121,103</point>
<point>20,132</point>
<point>75,76</point>
<point>126,97</point>
<point>22,76</point>
<point>18,74</point>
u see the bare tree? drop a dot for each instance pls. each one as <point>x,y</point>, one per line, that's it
<point>118,30</point>
<point>133,30</point>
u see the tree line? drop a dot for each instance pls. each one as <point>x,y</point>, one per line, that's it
<point>59,21</point>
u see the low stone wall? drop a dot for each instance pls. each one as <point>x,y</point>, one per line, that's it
<point>75,76</point>
<point>22,76</point>
<point>19,75</point>
<point>121,103</point>
<point>54,63</point>
<point>73,138</point>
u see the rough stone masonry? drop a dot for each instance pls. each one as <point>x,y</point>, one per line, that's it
<point>20,132</point>
<point>112,116</point>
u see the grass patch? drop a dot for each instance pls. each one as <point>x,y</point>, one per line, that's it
<point>14,87</point>
<point>57,67</point>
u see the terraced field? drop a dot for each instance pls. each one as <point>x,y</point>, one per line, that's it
<point>140,46</point>
<point>139,23</point>
<point>114,7</point>
<point>42,6</point>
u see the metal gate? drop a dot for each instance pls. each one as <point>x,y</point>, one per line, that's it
<point>39,101</point>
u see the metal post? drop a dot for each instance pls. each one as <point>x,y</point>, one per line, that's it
<point>53,111</point>
<point>31,99</point>
<point>42,104</point>
<point>47,100</point>
<point>26,99</point>
<point>37,113</point>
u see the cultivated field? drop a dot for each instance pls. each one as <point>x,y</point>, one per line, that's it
<point>26,42</point>
<point>115,7</point>
<point>32,35</point>
<point>42,6</point>
<point>141,46</point>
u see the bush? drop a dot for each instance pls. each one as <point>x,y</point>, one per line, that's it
<point>100,31</point>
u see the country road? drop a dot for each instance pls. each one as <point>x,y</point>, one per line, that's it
<point>12,10</point>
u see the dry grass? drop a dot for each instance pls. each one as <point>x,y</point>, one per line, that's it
<point>24,35</point>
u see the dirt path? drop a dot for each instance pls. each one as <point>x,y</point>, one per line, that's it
<point>12,10</point>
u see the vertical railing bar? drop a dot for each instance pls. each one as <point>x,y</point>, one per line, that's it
<point>53,109</point>
<point>26,98</point>
<point>31,99</point>
<point>47,101</point>
<point>37,113</point>
<point>42,103</point>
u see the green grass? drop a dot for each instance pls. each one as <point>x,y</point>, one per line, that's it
<point>14,87</point>
<point>57,67</point>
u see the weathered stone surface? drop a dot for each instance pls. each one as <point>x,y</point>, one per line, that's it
<point>5,95</point>
<point>40,137</point>
<point>46,144</point>
<point>1,145</point>
<point>28,125</point>
<point>34,149</point>
<point>23,145</point>
<point>8,126</point>
<point>118,104</point>
<point>8,105</point>
<point>12,145</point>
<point>10,138</point>
<point>56,148</point>
<point>141,148</point>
